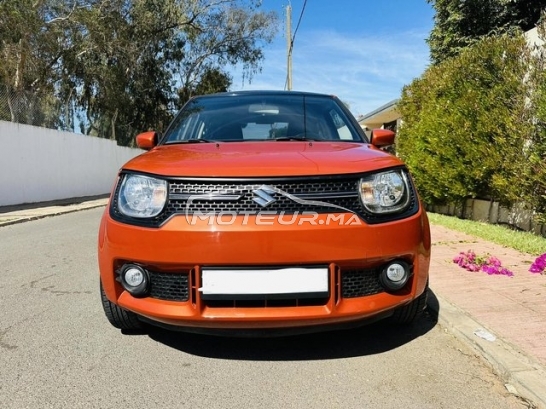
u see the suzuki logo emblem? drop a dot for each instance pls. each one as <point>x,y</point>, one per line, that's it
<point>263,196</point>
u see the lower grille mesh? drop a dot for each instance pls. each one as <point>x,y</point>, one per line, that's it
<point>360,283</point>
<point>169,286</point>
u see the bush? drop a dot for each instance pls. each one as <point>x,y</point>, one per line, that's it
<point>467,122</point>
<point>535,172</point>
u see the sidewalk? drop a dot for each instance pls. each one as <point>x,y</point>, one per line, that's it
<point>512,310</point>
<point>24,213</point>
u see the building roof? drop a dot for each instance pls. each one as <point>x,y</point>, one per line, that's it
<point>381,115</point>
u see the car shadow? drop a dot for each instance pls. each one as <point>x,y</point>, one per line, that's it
<point>366,340</point>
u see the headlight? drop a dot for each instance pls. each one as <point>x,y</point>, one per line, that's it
<point>385,192</point>
<point>142,196</point>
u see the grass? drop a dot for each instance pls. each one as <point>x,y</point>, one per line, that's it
<point>522,241</point>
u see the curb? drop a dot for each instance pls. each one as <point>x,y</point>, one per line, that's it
<point>23,216</point>
<point>515,368</point>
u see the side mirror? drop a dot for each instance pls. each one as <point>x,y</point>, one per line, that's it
<point>382,137</point>
<point>147,140</point>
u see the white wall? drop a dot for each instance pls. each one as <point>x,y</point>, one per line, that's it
<point>533,38</point>
<point>518,216</point>
<point>39,164</point>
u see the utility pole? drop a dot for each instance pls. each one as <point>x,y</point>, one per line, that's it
<point>289,47</point>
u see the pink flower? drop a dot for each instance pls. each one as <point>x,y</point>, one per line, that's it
<point>539,264</point>
<point>488,264</point>
<point>493,261</point>
<point>535,269</point>
<point>490,270</point>
<point>507,272</point>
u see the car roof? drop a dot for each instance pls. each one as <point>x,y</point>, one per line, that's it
<point>263,92</point>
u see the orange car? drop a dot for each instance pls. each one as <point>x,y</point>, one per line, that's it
<point>263,212</point>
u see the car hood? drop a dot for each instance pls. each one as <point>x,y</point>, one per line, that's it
<point>261,159</point>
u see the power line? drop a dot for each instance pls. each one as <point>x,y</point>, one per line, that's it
<point>297,26</point>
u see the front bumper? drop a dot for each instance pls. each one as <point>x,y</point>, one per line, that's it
<point>178,247</point>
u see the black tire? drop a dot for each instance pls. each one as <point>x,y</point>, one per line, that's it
<point>410,312</point>
<point>118,317</point>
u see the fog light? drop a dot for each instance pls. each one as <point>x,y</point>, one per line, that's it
<point>395,275</point>
<point>134,279</point>
<point>396,272</point>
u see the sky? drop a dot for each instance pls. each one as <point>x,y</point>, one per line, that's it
<point>362,51</point>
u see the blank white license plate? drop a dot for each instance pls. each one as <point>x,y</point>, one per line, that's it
<point>304,281</point>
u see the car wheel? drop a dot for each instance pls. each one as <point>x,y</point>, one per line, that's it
<point>118,317</point>
<point>408,313</point>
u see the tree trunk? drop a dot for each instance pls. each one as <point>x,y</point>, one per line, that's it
<point>113,125</point>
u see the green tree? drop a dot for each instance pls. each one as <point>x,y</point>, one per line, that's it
<point>30,46</point>
<point>460,23</point>
<point>118,65</point>
<point>210,82</point>
<point>117,70</point>
<point>228,36</point>
<point>142,52</point>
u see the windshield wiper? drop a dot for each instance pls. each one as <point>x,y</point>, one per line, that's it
<point>294,138</point>
<point>187,141</point>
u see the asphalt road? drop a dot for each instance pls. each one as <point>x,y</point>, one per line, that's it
<point>57,349</point>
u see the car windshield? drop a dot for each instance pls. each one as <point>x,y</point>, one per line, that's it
<point>258,117</point>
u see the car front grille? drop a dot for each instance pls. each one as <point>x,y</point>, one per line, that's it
<point>169,286</point>
<point>342,193</point>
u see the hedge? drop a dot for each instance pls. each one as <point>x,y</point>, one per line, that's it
<point>471,127</point>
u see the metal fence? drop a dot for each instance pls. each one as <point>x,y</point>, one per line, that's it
<point>48,111</point>
<point>34,108</point>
